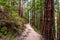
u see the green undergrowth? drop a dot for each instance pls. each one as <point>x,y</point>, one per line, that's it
<point>11,25</point>
<point>36,29</point>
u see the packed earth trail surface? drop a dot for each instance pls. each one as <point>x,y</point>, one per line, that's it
<point>30,34</point>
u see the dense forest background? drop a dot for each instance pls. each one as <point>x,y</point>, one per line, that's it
<point>15,13</point>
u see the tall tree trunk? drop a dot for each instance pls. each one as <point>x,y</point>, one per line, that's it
<point>41,17</point>
<point>58,22</point>
<point>33,12</point>
<point>21,8</point>
<point>58,28</point>
<point>48,23</point>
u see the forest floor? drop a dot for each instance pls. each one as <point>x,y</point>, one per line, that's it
<point>30,34</point>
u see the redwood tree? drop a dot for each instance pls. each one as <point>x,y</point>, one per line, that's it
<point>48,22</point>
<point>58,22</point>
<point>21,8</point>
<point>33,12</point>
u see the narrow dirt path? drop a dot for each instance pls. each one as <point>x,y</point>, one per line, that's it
<point>30,34</point>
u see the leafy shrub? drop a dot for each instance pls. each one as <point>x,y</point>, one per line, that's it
<point>10,22</point>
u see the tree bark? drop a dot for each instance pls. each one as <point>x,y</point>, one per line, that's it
<point>48,22</point>
<point>33,12</point>
<point>21,8</point>
<point>41,17</point>
<point>58,24</point>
